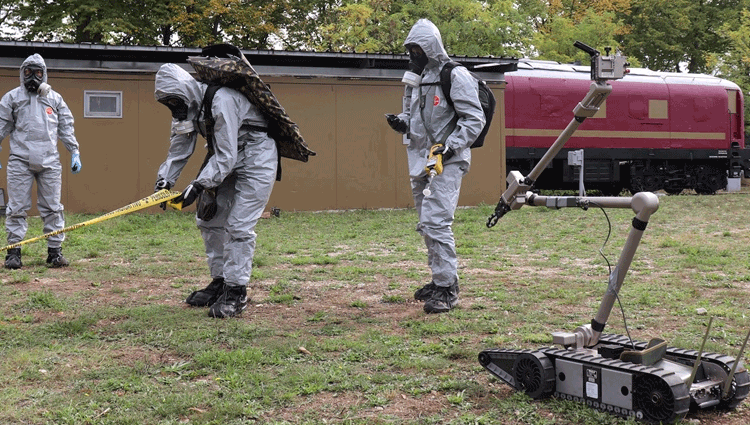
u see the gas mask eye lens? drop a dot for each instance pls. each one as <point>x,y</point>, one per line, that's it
<point>171,102</point>
<point>28,72</point>
<point>177,106</point>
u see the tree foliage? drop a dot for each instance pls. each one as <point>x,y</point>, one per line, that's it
<point>734,65</point>
<point>124,22</point>
<point>555,42</point>
<point>559,23</point>
<point>8,17</point>
<point>468,27</point>
<point>669,35</point>
<point>244,23</point>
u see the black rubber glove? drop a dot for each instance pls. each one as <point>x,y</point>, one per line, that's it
<point>396,123</point>
<point>190,194</point>
<point>440,149</point>
<point>162,184</point>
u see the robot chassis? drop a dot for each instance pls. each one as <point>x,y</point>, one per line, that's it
<point>650,382</point>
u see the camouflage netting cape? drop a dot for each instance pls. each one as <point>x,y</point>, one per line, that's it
<point>237,73</point>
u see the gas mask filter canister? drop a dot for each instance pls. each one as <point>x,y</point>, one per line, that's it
<point>411,79</point>
<point>44,89</point>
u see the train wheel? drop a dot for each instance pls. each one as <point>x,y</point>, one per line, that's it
<point>673,190</point>
<point>709,180</point>
<point>645,183</point>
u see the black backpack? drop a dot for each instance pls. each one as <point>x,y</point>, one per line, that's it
<point>486,98</point>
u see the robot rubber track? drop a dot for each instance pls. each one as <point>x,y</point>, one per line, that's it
<point>646,393</point>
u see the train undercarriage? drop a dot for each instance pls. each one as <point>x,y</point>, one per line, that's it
<point>704,177</point>
<point>612,176</point>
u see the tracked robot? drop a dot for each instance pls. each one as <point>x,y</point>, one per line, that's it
<point>648,381</point>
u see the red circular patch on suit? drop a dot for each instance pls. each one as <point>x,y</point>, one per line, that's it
<point>436,101</point>
<point>49,110</point>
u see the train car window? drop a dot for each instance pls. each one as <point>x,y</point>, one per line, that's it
<point>735,113</point>
<point>732,97</point>
<point>657,109</point>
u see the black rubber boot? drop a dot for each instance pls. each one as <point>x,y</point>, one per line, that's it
<point>207,296</point>
<point>55,258</point>
<point>425,293</point>
<point>230,303</point>
<point>443,299</point>
<point>13,259</point>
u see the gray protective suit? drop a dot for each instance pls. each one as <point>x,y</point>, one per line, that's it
<point>35,124</point>
<point>243,169</point>
<point>436,210</point>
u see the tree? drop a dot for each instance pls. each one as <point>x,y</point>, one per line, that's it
<point>667,35</point>
<point>468,27</point>
<point>8,17</point>
<point>303,18</point>
<point>244,23</point>
<point>96,21</point>
<point>555,41</point>
<point>734,65</point>
<point>559,23</point>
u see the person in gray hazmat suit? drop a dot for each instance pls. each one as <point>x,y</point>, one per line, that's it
<point>36,117</point>
<point>242,171</point>
<point>432,129</point>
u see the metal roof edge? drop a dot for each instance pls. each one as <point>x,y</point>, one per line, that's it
<point>138,59</point>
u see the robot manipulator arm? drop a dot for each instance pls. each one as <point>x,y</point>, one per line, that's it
<point>603,68</point>
<point>514,196</point>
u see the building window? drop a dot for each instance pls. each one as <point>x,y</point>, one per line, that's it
<point>102,104</point>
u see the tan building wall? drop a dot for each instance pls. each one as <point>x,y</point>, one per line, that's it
<point>360,161</point>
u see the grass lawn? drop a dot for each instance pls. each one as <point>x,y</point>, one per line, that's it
<point>333,335</point>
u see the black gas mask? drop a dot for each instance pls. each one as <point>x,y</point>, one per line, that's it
<point>417,59</point>
<point>177,106</point>
<point>33,77</point>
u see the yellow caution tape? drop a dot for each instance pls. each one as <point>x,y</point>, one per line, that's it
<point>155,199</point>
<point>175,205</point>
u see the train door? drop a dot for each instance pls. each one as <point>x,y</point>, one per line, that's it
<point>736,118</point>
<point>736,134</point>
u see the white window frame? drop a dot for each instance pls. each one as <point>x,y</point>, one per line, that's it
<point>88,113</point>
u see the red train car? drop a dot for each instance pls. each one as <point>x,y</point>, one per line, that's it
<point>656,130</point>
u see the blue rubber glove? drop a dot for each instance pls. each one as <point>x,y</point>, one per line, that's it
<point>75,163</point>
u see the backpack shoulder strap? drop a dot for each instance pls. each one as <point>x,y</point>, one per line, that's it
<point>445,80</point>
<point>208,99</point>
